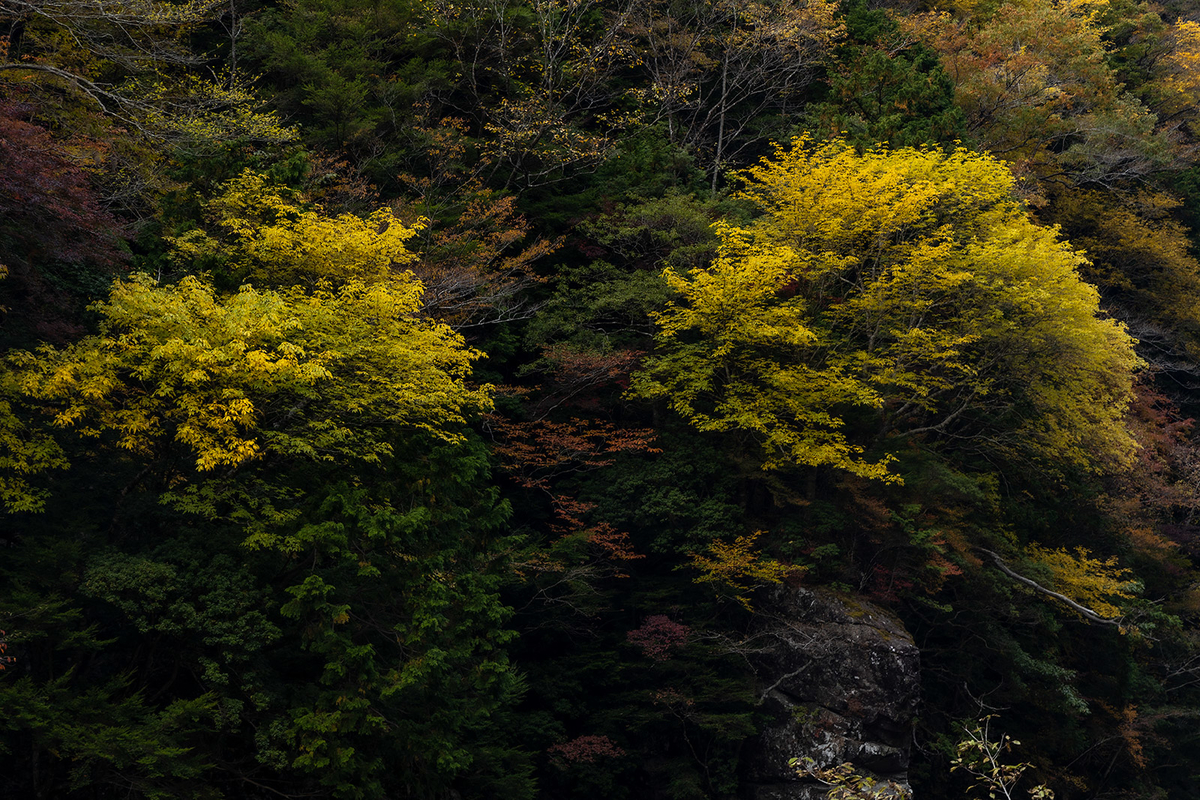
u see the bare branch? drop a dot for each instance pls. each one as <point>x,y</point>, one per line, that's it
<point>1087,613</point>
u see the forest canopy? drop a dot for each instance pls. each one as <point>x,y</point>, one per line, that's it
<point>506,399</point>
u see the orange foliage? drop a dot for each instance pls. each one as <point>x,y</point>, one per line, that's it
<point>474,268</point>
<point>1130,727</point>
<point>610,543</point>
<point>1038,92</point>
<point>1156,500</point>
<point>537,452</point>
<point>336,185</point>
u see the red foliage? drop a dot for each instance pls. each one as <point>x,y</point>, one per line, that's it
<point>49,213</point>
<point>609,543</point>
<point>46,199</point>
<point>575,375</point>
<point>586,750</point>
<point>4,660</point>
<point>535,453</point>
<point>885,585</point>
<point>658,636</point>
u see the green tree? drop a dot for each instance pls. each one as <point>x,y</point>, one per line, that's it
<point>887,87</point>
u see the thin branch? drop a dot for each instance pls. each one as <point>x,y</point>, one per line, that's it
<point>83,83</point>
<point>762,698</point>
<point>1090,615</point>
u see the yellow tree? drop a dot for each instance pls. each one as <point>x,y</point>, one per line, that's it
<point>266,236</point>
<point>321,423</point>
<point>908,291</point>
<point>331,362</point>
<point>328,376</point>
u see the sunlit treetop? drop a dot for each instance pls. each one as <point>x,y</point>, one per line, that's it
<point>832,198</point>
<point>904,287</point>
<point>269,238</point>
<point>327,375</point>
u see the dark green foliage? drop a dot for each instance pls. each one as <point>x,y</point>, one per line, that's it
<point>334,68</point>
<point>678,502</point>
<point>163,655</point>
<point>677,719</point>
<point>608,302</point>
<point>884,89</point>
<point>645,165</point>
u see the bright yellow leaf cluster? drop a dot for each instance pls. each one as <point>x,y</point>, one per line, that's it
<point>738,566</point>
<point>1183,61</point>
<point>201,111</point>
<point>327,375</point>
<point>333,364</point>
<point>908,287</point>
<point>735,375</point>
<point>1092,582</point>
<point>276,241</point>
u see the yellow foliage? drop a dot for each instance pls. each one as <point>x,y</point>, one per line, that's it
<point>203,111</point>
<point>733,306</point>
<point>909,282</point>
<point>738,566</point>
<point>328,375</point>
<point>1183,62</point>
<point>334,365</point>
<point>23,452</point>
<point>1091,582</point>
<point>276,242</point>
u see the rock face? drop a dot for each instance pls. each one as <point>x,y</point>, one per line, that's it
<point>840,679</point>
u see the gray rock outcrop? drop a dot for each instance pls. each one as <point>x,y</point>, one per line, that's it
<point>840,680</point>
